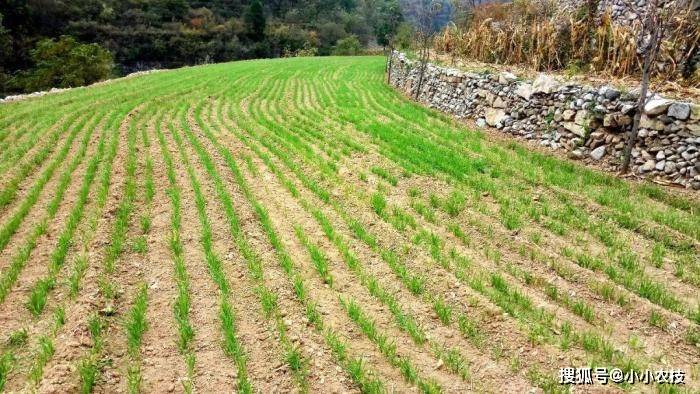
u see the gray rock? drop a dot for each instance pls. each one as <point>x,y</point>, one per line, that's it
<point>649,165</point>
<point>612,94</point>
<point>657,106</point>
<point>598,153</point>
<point>679,111</point>
<point>494,116</point>
<point>481,122</point>
<point>524,90</point>
<point>575,128</point>
<point>695,111</point>
<point>506,77</point>
<point>544,84</point>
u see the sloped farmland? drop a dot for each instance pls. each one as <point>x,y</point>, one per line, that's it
<point>297,225</point>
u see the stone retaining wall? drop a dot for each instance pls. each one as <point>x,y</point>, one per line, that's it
<point>589,123</point>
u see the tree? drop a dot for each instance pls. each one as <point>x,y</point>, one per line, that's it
<point>255,21</point>
<point>389,18</point>
<point>427,13</point>
<point>648,45</point>
<point>66,63</point>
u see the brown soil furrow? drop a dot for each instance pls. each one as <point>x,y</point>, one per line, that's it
<point>213,370</point>
<point>265,356</point>
<point>162,366</point>
<point>323,373</point>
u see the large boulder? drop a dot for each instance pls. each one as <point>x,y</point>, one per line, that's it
<point>545,84</point>
<point>679,111</point>
<point>657,106</point>
<point>575,128</point>
<point>494,116</point>
<point>524,90</point>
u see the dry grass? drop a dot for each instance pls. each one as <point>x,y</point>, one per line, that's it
<point>522,33</point>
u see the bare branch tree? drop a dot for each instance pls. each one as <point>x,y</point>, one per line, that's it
<point>648,45</point>
<point>427,13</point>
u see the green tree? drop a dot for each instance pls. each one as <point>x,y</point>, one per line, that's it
<point>66,63</point>
<point>255,21</point>
<point>348,46</point>
<point>404,36</point>
<point>388,23</point>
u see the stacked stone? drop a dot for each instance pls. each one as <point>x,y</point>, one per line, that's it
<point>588,123</point>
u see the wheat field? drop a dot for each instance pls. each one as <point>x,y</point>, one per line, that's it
<point>295,225</point>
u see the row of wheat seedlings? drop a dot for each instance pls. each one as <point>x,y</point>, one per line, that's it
<point>41,289</point>
<point>232,345</point>
<point>354,367</point>
<point>135,324</point>
<point>510,220</point>
<point>18,261</point>
<point>181,307</point>
<point>10,190</point>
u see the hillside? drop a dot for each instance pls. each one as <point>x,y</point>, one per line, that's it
<point>296,224</point>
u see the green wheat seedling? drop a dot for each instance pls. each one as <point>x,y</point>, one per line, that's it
<point>355,368</point>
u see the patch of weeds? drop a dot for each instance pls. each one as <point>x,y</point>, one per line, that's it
<point>140,245</point>
<point>443,311</point>
<point>657,254</point>
<point>656,319</point>
<point>455,203</point>
<point>18,338</point>
<point>378,203</point>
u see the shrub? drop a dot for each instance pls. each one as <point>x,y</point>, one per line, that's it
<point>348,46</point>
